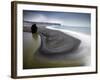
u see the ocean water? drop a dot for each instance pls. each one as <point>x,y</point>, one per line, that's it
<point>85,30</point>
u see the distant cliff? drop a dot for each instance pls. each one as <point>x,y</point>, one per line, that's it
<point>29,23</point>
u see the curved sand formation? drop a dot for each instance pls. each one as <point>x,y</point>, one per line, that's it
<point>56,42</point>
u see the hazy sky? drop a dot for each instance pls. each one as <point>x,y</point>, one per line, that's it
<point>64,18</point>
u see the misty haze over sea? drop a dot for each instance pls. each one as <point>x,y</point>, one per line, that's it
<point>82,29</point>
<point>85,30</point>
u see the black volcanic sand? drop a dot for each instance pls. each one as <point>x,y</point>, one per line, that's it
<point>56,42</point>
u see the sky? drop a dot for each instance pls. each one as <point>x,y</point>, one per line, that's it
<point>64,18</point>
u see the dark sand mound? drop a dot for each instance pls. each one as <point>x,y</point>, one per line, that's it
<point>54,42</point>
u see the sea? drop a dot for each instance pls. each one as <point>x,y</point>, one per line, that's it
<point>85,30</point>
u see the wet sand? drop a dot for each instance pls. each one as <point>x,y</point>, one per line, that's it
<point>34,59</point>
